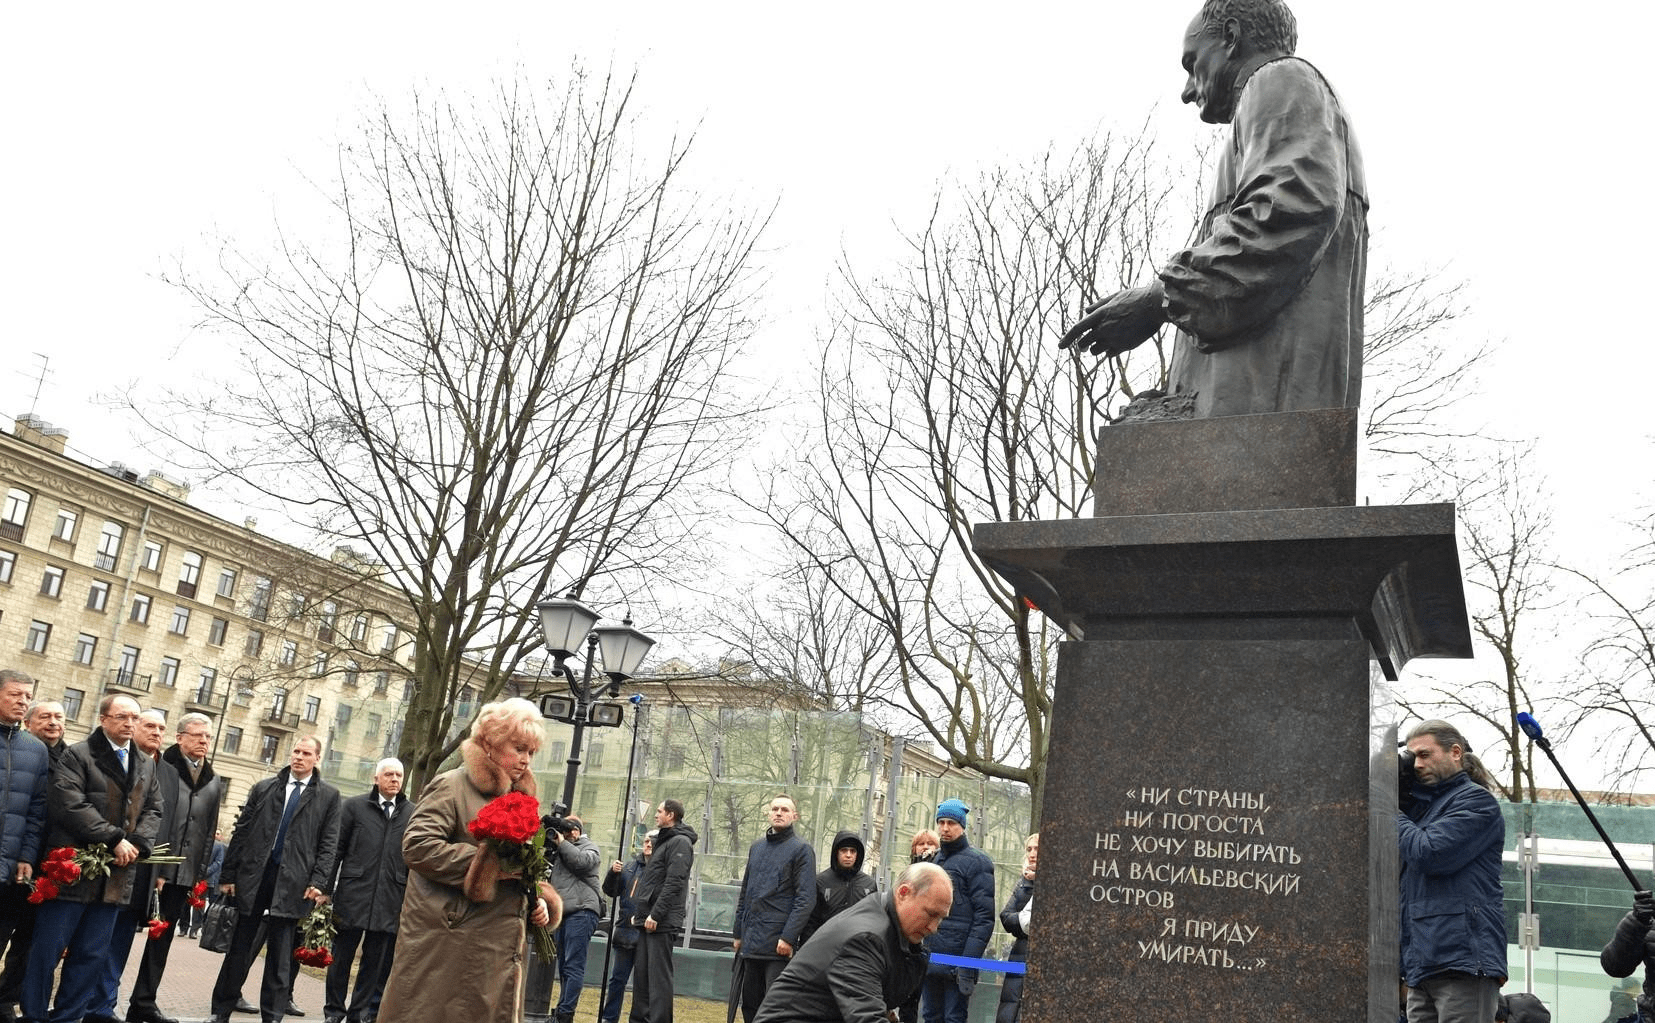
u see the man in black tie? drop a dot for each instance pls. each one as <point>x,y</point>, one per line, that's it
<point>103,792</point>
<point>367,896</point>
<point>281,859</point>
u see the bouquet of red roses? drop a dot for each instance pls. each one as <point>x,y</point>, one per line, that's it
<point>67,865</point>
<point>510,826</point>
<point>156,925</point>
<point>198,895</point>
<point>316,937</point>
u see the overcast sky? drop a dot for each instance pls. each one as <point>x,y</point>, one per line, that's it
<point>1508,146</point>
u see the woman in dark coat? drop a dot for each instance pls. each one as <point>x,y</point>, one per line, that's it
<point>1015,919</point>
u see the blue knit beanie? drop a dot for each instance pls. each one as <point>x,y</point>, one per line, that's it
<point>954,810</point>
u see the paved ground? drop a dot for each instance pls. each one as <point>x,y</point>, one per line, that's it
<point>187,988</point>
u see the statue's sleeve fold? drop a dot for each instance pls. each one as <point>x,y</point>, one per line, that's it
<point>1265,241</point>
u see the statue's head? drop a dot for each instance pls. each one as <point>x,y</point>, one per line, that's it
<point>1221,39</point>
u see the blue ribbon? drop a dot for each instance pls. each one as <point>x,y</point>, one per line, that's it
<point>995,965</point>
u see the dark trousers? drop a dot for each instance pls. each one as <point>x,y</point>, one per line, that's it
<point>620,971</point>
<point>114,964</point>
<point>573,937</point>
<point>280,939</point>
<point>16,933</point>
<point>943,1002</point>
<point>378,949</point>
<point>175,908</point>
<point>81,928</point>
<point>652,978</point>
<point>756,977</point>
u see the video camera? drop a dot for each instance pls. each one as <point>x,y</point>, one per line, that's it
<point>1405,779</point>
<point>558,820</point>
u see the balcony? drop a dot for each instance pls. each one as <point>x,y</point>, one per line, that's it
<point>278,721</point>
<point>12,531</point>
<point>186,589</point>
<point>123,681</point>
<point>204,700</point>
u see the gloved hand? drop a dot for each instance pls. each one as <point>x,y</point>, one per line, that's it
<point>967,980</point>
<point>1643,907</point>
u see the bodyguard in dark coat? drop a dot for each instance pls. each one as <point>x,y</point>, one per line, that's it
<point>778,892</point>
<point>969,924</point>
<point>367,895</point>
<point>843,884</point>
<point>191,795</point>
<point>103,793</point>
<point>281,858</point>
<point>867,960</point>
<point>660,898</point>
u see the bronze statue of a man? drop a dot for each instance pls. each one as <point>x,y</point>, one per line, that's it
<point>1268,301</point>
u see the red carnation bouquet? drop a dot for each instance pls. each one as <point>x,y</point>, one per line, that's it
<point>316,937</point>
<point>67,865</point>
<point>510,826</point>
<point>198,895</point>
<point>156,925</point>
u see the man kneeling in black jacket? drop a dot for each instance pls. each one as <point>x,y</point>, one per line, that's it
<point>867,960</point>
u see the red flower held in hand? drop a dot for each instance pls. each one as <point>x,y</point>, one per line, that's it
<point>198,895</point>
<point>513,817</point>
<point>44,888</point>
<point>157,928</point>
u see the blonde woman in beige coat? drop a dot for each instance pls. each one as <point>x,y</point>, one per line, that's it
<point>460,943</point>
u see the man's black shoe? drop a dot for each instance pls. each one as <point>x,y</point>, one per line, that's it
<point>243,1005</point>
<point>152,1016</point>
<point>294,1010</point>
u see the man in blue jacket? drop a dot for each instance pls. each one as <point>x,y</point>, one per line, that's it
<point>1453,923</point>
<point>25,767</point>
<point>778,892</point>
<point>970,921</point>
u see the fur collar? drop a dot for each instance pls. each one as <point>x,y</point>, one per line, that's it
<point>489,777</point>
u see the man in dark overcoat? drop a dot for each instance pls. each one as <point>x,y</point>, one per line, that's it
<point>103,793</point>
<point>191,795</point>
<point>280,861</point>
<point>367,894</point>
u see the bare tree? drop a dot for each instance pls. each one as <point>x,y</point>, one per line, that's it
<point>1613,695</point>
<point>507,376</point>
<point>1506,536</point>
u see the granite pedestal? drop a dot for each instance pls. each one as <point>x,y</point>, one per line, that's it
<point>1218,835</point>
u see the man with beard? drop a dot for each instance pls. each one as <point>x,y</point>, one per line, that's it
<point>191,795</point>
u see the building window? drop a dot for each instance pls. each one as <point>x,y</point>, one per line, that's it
<point>389,647</point>
<point>204,688</point>
<point>15,515</point>
<point>594,756</point>
<point>140,609</point>
<point>169,671</point>
<point>129,663</point>
<point>278,703</point>
<point>189,574</point>
<point>255,642</point>
<point>353,671</point>
<point>180,620</point>
<point>330,615</point>
<point>97,596</point>
<point>269,746</point>
<point>319,666</point>
<point>290,653</point>
<point>51,581</point>
<point>109,546</point>
<point>152,556</point>
<point>313,708</point>
<point>65,528</point>
<point>296,605</point>
<point>227,582</point>
<point>73,700</point>
<point>8,561</point>
<point>382,682</point>
<point>260,609</point>
<point>40,633</point>
<point>374,723</point>
<point>232,739</point>
<point>215,634</point>
<point>359,628</point>
<point>243,695</point>
<point>85,647</point>
<point>558,753</point>
<point>342,715</point>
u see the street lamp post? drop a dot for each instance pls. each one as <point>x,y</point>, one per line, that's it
<point>566,623</point>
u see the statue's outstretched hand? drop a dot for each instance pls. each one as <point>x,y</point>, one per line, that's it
<point>1120,322</point>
